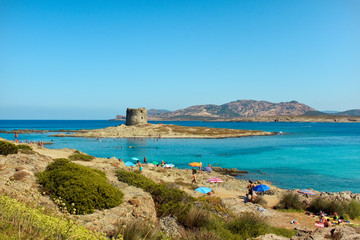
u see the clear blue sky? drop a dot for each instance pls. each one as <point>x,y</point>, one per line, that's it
<point>93,59</point>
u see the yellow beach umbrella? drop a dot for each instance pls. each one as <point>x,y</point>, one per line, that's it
<point>195,164</point>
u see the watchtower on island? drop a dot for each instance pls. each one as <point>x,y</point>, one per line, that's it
<point>136,116</point>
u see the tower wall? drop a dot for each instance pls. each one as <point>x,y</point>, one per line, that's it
<point>136,116</point>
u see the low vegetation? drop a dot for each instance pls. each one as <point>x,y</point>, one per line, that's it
<point>20,221</point>
<point>204,218</point>
<point>291,201</point>
<point>78,156</point>
<point>168,199</point>
<point>81,189</point>
<point>26,149</point>
<point>7,148</point>
<point>249,226</point>
<point>136,230</point>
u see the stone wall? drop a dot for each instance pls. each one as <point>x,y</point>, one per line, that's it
<point>136,116</point>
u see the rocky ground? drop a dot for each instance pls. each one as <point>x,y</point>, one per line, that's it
<point>164,131</point>
<point>17,179</point>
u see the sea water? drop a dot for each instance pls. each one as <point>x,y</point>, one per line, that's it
<point>322,156</point>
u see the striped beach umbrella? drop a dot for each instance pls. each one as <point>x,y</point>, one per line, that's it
<point>214,180</point>
<point>306,192</point>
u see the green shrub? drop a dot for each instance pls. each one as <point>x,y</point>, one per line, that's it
<point>353,209</point>
<point>217,225</point>
<point>79,187</point>
<point>25,149</point>
<point>136,230</point>
<point>247,226</point>
<point>196,218</point>
<point>168,199</point>
<point>78,156</point>
<point>327,206</point>
<point>290,201</point>
<point>7,148</point>
<point>20,221</point>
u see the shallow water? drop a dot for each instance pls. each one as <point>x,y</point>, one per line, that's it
<point>323,156</point>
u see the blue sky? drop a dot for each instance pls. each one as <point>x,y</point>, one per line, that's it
<point>93,59</point>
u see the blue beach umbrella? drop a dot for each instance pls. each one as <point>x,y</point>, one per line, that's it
<point>129,164</point>
<point>306,191</point>
<point>261,188</point>
<point>203,190</point>
<point>207,169</point>
<point>135,159</point>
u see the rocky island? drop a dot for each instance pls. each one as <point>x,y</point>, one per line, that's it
<point>137,127</point>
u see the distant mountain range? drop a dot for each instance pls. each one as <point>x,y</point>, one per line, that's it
<point>236,109</point>
<point>240,109</point>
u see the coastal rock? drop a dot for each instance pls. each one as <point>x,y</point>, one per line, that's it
<point>169,226</point>
<point>228,171</point>
<point>338,232</point>
<point>271,237</point>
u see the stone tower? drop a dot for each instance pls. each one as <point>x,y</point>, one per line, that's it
<point>136,116</point>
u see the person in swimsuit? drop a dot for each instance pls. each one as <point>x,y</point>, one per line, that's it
<point>194,177</point>
<point>250,190</point>
<point>140,166</point>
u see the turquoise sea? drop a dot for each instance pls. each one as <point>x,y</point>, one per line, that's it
<point>322,156</point>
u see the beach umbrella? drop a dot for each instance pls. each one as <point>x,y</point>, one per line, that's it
<point>150,164</point>
<point>261,188</point>
<point>207,169</point>
<point>169,165</point>
<point>135,159</point>
<point>203,190</point>
<point>129,164</point>
<point>195,164</point>
<point>214,180</point>
<point>155,162</point>
<point>306,191</point>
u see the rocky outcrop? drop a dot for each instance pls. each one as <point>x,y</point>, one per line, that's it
<point>338,232</point>
<point>228,171</point>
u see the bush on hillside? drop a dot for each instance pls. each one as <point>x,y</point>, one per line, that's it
<point>249,226</point>
<point>7,148</point>
<point>79,187</point>
<point>78,156</point>
<point>290,201</point>
<point>169,200</point>
<point>327,206</point>
<point>25,149</point>
<point>353,209</point>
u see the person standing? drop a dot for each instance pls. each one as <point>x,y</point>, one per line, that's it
<point>145,160</point>
<point>251,190</point>
<point>140,166</point>
<point>194,178</point>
